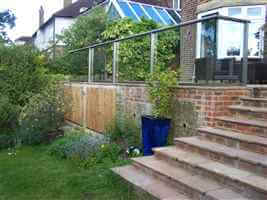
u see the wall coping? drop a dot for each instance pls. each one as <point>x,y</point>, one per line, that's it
<point>214,4</point>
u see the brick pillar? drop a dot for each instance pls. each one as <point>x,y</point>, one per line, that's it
<point>188,39</point>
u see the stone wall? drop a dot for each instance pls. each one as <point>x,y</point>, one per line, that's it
<point>98,104</point>
<point>208,102</point>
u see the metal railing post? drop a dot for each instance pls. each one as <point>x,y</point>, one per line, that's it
<point>115,61</point>
<point>153,50</point>
<point>245,54</point>
<point>90,64</point>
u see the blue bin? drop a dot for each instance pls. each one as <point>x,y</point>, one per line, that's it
<point>154,133</point>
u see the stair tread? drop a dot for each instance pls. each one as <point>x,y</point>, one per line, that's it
<point>197,182</point>
<point>199,161</point>
<point>230,152</point>
<point>254,99</point>
<point>235,135</point>
<point>258,123</point>
<point>149,183</point>
<point>248,108</point>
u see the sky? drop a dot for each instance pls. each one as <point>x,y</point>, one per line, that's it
<point>27,15</point>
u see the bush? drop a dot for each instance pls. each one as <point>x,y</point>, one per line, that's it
<point>44,114</point>
<point>134,54</point>
<point>77,145</point>
<point>124,132</point>
<point>6,141</point>
<point>9,114</point>
<point>22,75</point>
<point>84,32</point>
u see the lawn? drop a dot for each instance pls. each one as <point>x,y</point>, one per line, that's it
<point>32,174</point>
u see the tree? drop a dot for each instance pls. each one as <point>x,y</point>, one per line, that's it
<point>7,20</point>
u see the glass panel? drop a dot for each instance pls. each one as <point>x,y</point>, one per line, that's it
<point>113,14</point>
<point>165,16</point>
<point>254,39</point>
<point>174,16</point>
<point>234,12</point>
<point>168,48</point>
<point>127,11</point>
<point>80,61</point>
<point>176,4</point>
<point>102,65</point>
<point>134,59</point>
<point>254,12</point>
<point>139,10</point>
<point>231,39</point>
<point>208,46</point>
<point>153,14</point>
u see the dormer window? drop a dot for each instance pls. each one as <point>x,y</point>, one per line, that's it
<point>176,4</point>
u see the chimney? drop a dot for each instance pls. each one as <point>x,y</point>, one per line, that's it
<point>41,16</point>
<point>67,2</point>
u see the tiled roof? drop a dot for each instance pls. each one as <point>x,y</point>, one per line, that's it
<point>163,3</point>
<point>73,10</point>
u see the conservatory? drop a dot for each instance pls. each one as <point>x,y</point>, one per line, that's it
<point>136,11</point>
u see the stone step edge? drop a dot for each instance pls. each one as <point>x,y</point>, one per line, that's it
<point>214,150</point>
<point>140,164</point>
<point>116,170</point>
<point>257,123</point>
<point>234,135</point>
<point>158,151</point>
<point>248,109</point>
<point>253,99</point>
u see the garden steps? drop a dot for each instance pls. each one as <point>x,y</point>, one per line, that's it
<point>248,126</point>
<point>189,183</point>
<point>148,183</point>
<point>235,157</point>
<point>234,139</point>
<point>227,162</point>
<point>254,102</point>
<point>249,112</point>
<point>222,173</point>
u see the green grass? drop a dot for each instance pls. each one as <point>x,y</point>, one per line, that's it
<point>34,175</point>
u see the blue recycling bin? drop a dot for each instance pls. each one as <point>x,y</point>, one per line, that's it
<point>154,133</point>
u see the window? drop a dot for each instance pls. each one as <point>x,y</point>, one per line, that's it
<point>165,16</point>
<point>153,14</point>
<point>127,11</point>
<point>137,8</point>
<point>176,4</point>
<point>230,34</point>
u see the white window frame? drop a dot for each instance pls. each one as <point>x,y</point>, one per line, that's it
<point>224,11</point>
<point>178,3</point>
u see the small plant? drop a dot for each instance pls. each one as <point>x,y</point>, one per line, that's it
<point>159,89</point>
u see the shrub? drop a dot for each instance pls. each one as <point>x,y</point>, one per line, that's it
<point>84,32</point>
<point>124,132</point>
<point>22,75</point>
<point>6,141</point>
<point>77,145</point>
<point>134,54</point>
<point>44,114</point>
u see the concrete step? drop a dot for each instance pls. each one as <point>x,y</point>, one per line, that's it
<point>250,127</point>
<point>249,112</point>
<point>234,139</point>
<point>193,185</point>
<point>224,174</point>
<point>254,102</point>
<point>238,158</point>
<point>147,183</point>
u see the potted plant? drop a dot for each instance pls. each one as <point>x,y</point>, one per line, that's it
<point>155,127</point>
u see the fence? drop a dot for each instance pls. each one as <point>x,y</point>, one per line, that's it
<point>107,61</point>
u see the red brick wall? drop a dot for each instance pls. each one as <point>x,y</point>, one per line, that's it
<point>211,102</point>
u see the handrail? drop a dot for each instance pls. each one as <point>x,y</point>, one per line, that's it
<point>163,29</point>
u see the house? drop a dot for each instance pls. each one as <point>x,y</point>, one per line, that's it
<point>165,12</point>
<point>45,37</point>
<point>227,36</point>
